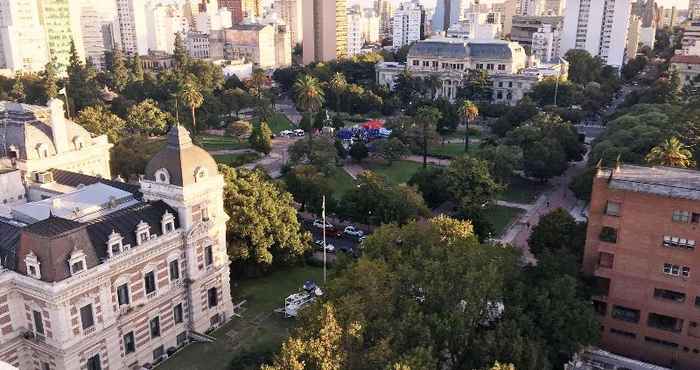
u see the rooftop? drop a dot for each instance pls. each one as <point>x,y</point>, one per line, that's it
<point>687,59</point>
<point>658,180</point>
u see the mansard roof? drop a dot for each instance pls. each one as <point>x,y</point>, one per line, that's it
<point>53,240</point>
<point>74,179</point>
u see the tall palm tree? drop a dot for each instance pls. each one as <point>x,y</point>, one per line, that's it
<point>194,99</point>
<point>469,112</point>
<point>338,85</point>
<point>671,153</point>
<point>309,94</point>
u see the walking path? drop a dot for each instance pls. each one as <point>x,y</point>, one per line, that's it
<point>431,160</point>
<point>231,151</point>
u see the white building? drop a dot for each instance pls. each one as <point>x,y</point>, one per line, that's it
<point>408,23</point>
<point>197,45</point>
<point>355,36</point>
<point>531,7</point>
<point>370,25</point>
<point>23,45</point>
<point>213,20</point>
<point>448,12</point>
<point>93,41</point>
<point>131,21</point>
<point>290,12</point>
<point>597,26</point>
<point>163,22</point>
<point>545,43</point>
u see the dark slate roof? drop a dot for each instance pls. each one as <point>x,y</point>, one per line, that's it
<point>445,48</point>
<point>74,179</point>
<point>54,239</point>
<point>490,50</point>
<point>9,240</point>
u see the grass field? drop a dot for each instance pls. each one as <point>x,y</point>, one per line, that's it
<point>260,330</point>
<point>213,142</point>
<point>341,182</point>
<point>521,190</point>
<point>500,217</point>
<point>398,173</point>
<point>236,160</point>
<point>279,122</point>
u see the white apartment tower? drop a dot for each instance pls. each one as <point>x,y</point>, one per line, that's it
<point>290,12</point>
<point>597,26</point>
<point>163,22</point>
<point>22,38</point>
<point>545,43</point>
<point>408,23</point>
<point>131,19</point>
<point>370,25</point>
<point>355,36</point>
<point>93,41</point>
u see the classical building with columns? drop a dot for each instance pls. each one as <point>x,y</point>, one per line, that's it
<point>99,274</point>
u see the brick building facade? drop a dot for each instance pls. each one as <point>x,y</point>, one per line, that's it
<point>641,251</point>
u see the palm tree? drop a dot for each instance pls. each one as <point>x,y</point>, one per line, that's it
<point>309,94</point>
<point>671,153</point>
<point>194,99</point>
<point>338,85</point>
<point>469,112</point>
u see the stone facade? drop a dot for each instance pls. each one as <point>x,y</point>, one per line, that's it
<point>126,288</point>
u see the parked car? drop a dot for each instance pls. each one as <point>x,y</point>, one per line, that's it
<point>286,133</point>
<point>299,132</point>
<point>319,224</point>
<point>361,240</point>
<point>330,248</point>
<point>353,231</point>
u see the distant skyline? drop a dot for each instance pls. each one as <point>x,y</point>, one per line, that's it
<point>680,4</point>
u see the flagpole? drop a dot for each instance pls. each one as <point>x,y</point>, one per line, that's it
<point>324,239</point>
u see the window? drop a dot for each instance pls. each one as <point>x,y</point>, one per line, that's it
<point>501,67</point>
<point>208,256</point>
<point>695,218</point>
<point>149,281</point>
<point>143,237</point>
<point>681,216</point>
<point>93,363</point>
<point>608,234</point>
<point>676,270</point>
<point>45,366</point>
<point>612,209</point>
<point>214,320</point>
<point>181,338</point>
<point>129,343</point>
<point>143,233</point>
<point>205,214</point>
<point>77,267</point>
<point>661,342</point>
<point>664,322</point>
<point>606,260</point>
<point>669,295</point>
<point>154,325</point>
<point>38,322</point>
<point>415,63</point>
<point>625,314</point>
<point>123,294</point>
<point>32,263</point>
<point>600,308</point>
<point>213,297</point>
<point>174,267</point>
<point>86,317</point>
<point>77,262</point>
<point>158,354</point>
<point>623,333</point>
<point>677,242</point>
<point>177,313</point>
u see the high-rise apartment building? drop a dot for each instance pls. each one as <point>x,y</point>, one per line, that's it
<point>290,12</point>
<point>448,12</point>
<point>22,38</point>
<point>355,37</point>
<point>163,22</point>
<point>409,23</point>
<point>597,26</point>
<point>370,25</point>
<point>325,30</point>
<point>131,21</point>
<point>693,9</point>
<point>385,9</point>
<point>252,8</point>
<point>93,40</point>
<point>61,21</point>
<point>633,36</point>
<point>545,43</point>
<point>640,250</point>
<point>236,9</point>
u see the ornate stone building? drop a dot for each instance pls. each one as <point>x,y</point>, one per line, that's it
<point>99,274</point>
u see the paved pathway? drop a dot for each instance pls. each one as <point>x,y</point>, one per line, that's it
<point>231,151</point>
<point>273,162</point>
<point>431,160</point>
<point>353,169</point>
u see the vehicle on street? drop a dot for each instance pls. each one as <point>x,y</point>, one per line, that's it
<point>287,133</point>
<point>299,132</point>
<point>351,230</point>
<point>330,248</point>
<point>319,224</point>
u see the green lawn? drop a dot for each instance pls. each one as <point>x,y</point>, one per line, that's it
<point>259,331</point>
<point>453,149</point>
<point>500,217</point>
<point>213,142</point>
<point>341,182</point>
<point>279,122</point>
<point>521,190</point>
<point>398,173</point>
<point>236,160</point>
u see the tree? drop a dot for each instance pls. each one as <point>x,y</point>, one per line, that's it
<point>308,185</point>
<point>81,86</point>
<point>470,182</point>
<point>193,99</point>
<point>374,201</point>
<point>49,81</point>
<point>119,74</point>
<point>545,159</point>
<point>239,130</point>
<point>476,86</point>
<point>503,160</point>
<point>261,138</point>
<point>137,73</point>
<point>131,154</point>
<point>257,83</point>
<point>180,54</point>
<point>236,100</point>
<point>469,112</point>
<point>147,118</point>
<point>321,153</point>
<point>556,231</point>
<point>583,68</point>
<point>671,153</point>
<point>338,84</point>
<point>308,94</point>
<point>424,129</point>
<point>17,93</point>
<point>99,121</point>
<point>358,151</point>
<point>432,183</point>
<point>392,150</point>
<point>263,226</point>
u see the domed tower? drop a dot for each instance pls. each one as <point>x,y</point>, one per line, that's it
<point>186,177</point>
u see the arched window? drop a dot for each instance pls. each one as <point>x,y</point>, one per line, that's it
<point>33,265</point>
<point>162,176</point>
<point>78,143</point>
<point>42,150</point>
<point>76,263</point>
<point>200,173</point>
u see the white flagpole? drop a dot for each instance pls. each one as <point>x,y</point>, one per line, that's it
<point>323,210</point>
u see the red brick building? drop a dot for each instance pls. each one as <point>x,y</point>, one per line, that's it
<point>642,234</point>
<point>236,9</point>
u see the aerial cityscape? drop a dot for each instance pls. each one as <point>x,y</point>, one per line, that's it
<point>349,184</point>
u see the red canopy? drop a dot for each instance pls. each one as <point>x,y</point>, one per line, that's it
<point>373,124</point>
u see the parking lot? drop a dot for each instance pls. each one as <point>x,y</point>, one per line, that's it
<point>341,242</point>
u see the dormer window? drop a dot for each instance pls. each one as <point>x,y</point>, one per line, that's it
<point>33,265</point>
<point>143,233</point>
<point>78,143</point>
<point>114,244</point>
<point>168,223</point>
<point>77,262</point>
<point>200,173</point>
<point>162,176</point>
<point>42,150</point>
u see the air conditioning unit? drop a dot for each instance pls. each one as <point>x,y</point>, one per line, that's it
<point>44,177</point>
